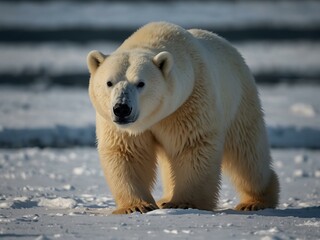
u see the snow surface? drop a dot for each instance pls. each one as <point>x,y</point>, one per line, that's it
<point>262,57</point>
<point>61,117</point>
<point>61,194</point>
<point>99,14</point>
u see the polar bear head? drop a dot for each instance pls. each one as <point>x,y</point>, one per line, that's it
<point>135,89</point>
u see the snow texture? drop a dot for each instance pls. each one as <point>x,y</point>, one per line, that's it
<point>56,203</point>
<point>62,194</point>
<point>262,57</point>
<point>62,117</point>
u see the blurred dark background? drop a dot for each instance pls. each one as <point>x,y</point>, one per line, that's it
<point>46,42</point>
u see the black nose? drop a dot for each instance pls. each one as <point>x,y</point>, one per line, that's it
<point>122,110</point>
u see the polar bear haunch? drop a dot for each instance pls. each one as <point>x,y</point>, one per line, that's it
<point>184,99</point>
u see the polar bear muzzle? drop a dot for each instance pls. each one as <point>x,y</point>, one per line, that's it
<point>124,107</point>
<point>122,111</point>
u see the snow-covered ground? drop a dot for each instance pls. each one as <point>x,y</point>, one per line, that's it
<point>61,117</point>
<point>262,57</point>
<point>61,194</point>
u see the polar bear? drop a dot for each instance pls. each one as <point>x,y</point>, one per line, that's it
<point>184,99</point>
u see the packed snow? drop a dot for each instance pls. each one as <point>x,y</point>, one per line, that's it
<point>44,194</point>
<point>64,203</point>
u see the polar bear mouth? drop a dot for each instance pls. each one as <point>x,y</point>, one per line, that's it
<point>123,121</point>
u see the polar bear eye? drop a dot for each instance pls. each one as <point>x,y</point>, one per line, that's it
<point>109,84</point>
<point>140,85</point>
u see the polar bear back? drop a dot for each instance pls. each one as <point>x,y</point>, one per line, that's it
<point>228,75</point>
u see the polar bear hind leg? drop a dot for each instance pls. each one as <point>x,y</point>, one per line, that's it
<point>247,159</point>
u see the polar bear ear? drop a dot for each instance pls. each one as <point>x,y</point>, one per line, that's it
<point>164,61</point>
<point>94,60</point>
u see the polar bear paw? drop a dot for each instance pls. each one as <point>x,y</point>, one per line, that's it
<point>251,206</point>
<point>142,207</point>
<point>182,205</point>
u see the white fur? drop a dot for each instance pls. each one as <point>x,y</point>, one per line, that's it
<point>198,111</point>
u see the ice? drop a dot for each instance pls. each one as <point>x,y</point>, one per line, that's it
<point>68,187</point>
<point>269,231</point>
<point>7,220</point>
<point>310,223</point>
<point>300,159</point>
<point>61,203</point>
<point>29,218</point>
<point>42,237</point>
<point>300,173</point>
<point>302,109</point>
<point>17,203</point>
<point>78,170</point>
<point>171,231</point>
<point>6,204</point>
<point>269,238</point>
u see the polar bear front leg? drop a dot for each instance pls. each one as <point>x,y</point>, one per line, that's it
<point>129,165</point>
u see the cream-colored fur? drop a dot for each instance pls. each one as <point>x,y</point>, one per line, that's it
<point>196,112</point>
